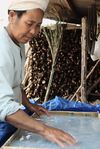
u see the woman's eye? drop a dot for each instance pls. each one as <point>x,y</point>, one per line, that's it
<point>29,24</point>
<point>38,25</point>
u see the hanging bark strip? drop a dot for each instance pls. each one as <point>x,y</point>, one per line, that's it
<point>27,81</point>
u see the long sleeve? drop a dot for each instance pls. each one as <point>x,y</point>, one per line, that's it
<point>10,76</point>
<point>7,103</point>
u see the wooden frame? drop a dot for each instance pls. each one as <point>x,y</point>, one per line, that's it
<point>15,135</point>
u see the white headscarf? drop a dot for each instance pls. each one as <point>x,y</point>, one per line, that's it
<point>28,4</point>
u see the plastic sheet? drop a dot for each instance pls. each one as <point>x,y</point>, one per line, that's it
<point>61,104</point>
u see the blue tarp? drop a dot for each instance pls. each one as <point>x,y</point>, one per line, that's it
<point>61,104</point>
<point>6,130</point>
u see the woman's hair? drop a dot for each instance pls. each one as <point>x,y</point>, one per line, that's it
<point>19,13</point>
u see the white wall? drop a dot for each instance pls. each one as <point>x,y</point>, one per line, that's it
<point>4,11</point>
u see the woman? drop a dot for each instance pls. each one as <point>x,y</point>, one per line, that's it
<point>25,18</point>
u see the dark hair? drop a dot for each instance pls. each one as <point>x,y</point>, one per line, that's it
<point>18,12</point>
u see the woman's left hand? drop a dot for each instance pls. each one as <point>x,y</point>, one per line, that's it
<point>39,110</point>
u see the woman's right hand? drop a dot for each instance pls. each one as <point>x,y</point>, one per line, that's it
<point>58,136</point>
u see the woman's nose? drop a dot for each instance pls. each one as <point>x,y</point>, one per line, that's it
<point>33,30</point>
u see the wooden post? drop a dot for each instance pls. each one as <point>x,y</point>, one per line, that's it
<point>84,59</point>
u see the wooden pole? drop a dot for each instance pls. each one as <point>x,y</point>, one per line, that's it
<point>84,60</point>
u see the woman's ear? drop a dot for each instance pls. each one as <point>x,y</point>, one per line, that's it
<point>12,16</point>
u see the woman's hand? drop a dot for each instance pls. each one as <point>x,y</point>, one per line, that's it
<point>39,110</point>
<point>63,139</point>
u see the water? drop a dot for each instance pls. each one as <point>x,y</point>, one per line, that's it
<point>85,129</point>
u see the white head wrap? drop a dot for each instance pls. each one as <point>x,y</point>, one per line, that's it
<point>28,4</point>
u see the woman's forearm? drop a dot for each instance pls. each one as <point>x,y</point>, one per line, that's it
<point>21,120</point>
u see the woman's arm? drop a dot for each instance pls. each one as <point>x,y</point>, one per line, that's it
<point>21,120</point>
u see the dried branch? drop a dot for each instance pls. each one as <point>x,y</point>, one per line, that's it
<point>54,40</point>
<point>93,86</point>
<point>92,70</point>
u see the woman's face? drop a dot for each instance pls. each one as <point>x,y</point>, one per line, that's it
<point>24,28</point>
